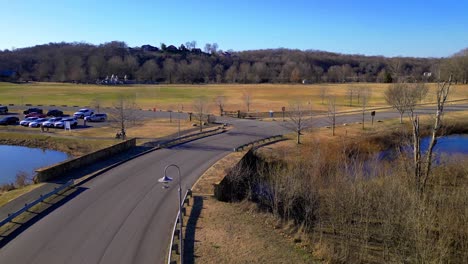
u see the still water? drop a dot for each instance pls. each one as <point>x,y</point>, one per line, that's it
<point>449,145</point>
<point>14,159</point>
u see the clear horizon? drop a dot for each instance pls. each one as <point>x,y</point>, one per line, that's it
<point>416,29</point>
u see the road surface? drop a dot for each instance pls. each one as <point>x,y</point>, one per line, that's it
<point>124,215</point>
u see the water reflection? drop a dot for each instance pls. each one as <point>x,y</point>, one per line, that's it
<point>17,159</point>
<point>446,146</point>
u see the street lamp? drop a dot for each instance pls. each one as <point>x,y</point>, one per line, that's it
<point>166,180</point>
<point>178,131</point>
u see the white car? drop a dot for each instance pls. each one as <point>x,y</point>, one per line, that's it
<point>61,123</point>
<point>51,122</point>
<point>82,113</point>
<point>37,122</point>
<point>26,121</point>
<point>96,118</point>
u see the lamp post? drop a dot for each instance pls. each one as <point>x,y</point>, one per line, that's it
<point>178,122</point>
<point>166,180</point>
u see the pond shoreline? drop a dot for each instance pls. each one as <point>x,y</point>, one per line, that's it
<point>19,163</point>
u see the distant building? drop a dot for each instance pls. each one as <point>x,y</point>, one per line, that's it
<point>427,74</point>
<point>149,48</point>
<point>197,51</point>
<point>172,48</point>
<point>226,54</point>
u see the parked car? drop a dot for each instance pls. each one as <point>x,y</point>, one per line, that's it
<point>54,112</point>
<point>3,110</point>
<point>9,120</point>
<point>82,113</point>
<point>51,122</point>
<point>35,114</point>
<point>61,123</point>
<point>37,122</point>
<point>33,109</point>
<point>26,121</point>
<point>96,118</point>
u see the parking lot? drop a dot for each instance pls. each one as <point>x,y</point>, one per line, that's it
<point>18,111</point>
<point>148,124</point>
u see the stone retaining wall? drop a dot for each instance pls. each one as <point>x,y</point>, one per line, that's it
<point>58,170</point>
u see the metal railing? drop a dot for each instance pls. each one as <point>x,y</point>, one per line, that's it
<point>182,139</point>
<point>176,231</point>
<point>258,142</point>
<point>39,200</point>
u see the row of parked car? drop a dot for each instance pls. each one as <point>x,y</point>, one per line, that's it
<point>53,122</point>
<point>35,117</point>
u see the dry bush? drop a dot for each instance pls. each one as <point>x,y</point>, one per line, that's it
<point>22,179</point>
<point>7,187</point>
<point>356,209</point>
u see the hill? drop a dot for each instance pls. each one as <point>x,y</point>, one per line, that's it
<point>115,62</point>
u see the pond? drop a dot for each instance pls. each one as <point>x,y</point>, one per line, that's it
<point>15,159</point>
<point>448,145</point>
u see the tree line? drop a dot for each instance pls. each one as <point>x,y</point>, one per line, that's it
<point>87,63</point>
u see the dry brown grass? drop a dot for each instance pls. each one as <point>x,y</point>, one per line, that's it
<point>153,128</point>
<point>6,197</point>
<point>204,185</point>
<point>237,233</point>
<point>264,96</point>
<point>233,232</point>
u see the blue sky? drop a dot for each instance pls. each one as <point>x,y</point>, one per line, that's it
<point>390,28</point>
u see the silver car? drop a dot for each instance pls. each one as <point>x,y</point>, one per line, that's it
<point>51,122</point>
<point>37,122</point>
<point>96,118</point>
<point>61,123</point>
<point>26,121</point>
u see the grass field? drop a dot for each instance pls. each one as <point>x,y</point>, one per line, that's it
<point>173,97</point>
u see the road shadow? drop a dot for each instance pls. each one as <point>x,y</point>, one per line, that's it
<point>190,229</point>
<point>19,228</point>
<point>200,147</point>
<point>100,164</point>
<point>237,133</point>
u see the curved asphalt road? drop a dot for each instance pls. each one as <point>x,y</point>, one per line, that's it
<point>124,215</point>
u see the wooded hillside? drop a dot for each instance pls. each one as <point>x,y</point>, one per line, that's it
<point>82,62</point>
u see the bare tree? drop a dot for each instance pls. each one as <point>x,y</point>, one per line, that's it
<point>191,44</point>
<point>247,97</point>
<point>323,92</point>
<point>297,119</point>
<point>200,109</point>
<point>396,96</point>
<point>350,95</point>
<point>395,68</point>
<point>332,112</point>
<point>220,102</point>
<point>421,172</point>
<point>124,115</point>
<point>96,104</point>
<point>364,94</point>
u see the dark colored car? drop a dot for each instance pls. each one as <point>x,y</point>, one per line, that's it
<point>54,112</point>
<point>3,110</point>
<point>32,110</point>
<point>35,114</point>
<point>9,120</point>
